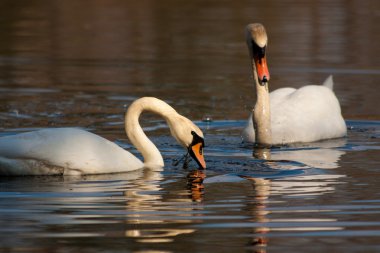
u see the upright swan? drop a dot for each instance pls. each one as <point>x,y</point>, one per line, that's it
<point>288,115</point>
<point>71,151</point>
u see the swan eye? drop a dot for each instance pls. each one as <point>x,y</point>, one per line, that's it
<point>259,52</point>
<point>196,139</point>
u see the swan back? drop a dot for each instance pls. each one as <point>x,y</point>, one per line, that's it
<point>63,151</point>
<point>308,114</point>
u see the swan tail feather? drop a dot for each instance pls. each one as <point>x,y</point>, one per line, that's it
<point>329,83</point>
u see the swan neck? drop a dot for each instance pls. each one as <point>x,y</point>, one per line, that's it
<point>152,156</point>
<point>261,114</point>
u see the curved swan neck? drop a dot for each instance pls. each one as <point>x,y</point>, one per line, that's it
<point>136,135</point>
<point>261,114</point>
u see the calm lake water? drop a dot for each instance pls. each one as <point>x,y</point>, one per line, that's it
<point>81,63</point>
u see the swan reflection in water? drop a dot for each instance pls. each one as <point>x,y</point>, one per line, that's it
<point>145,205</point>
<point>314,177</point>
<point>322,155</point>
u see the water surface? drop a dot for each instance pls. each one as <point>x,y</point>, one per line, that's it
<point>81,63</point>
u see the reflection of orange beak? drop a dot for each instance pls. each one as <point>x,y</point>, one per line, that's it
<point>262,69</point>
<point>197,154</point>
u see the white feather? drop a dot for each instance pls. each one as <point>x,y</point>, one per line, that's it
<point>307,114</point>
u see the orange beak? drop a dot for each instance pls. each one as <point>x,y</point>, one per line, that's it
<point>262,69</point>
<point>196,151</point>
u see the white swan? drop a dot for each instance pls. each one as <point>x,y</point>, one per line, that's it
<point>289,115</point>
<point>71,151</point>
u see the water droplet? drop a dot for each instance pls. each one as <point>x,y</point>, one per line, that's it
<point>207,118</point>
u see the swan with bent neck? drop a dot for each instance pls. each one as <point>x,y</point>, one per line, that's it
<point>72,151</point>
<point>287,115</point>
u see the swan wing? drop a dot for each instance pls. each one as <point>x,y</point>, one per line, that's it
<point>63,151</point>
<point>308,114</point>
<point>280,95</point>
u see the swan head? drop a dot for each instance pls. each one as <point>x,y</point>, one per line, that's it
<point>189,136</point>
<point>257,41</point>
<point>196,149</point>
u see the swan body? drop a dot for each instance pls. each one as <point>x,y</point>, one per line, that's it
<point>72,151</point>
<point>289,115</point>
<point>62,151</point>
<point>307,114</point>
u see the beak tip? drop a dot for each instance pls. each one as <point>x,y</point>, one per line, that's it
<point>202,164</point>
<point>196,152</point>
<point>264,80</point>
